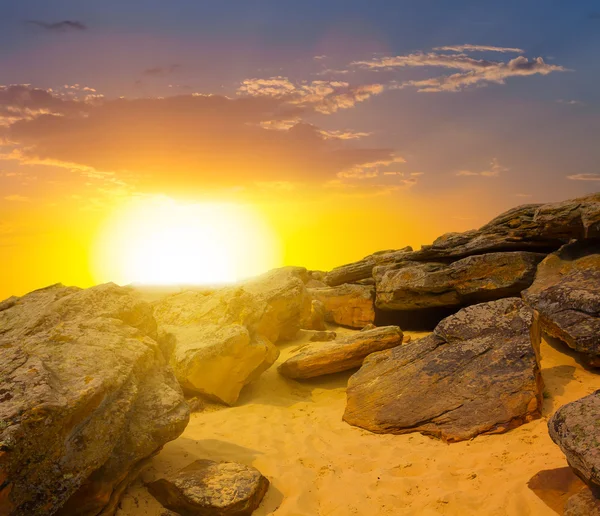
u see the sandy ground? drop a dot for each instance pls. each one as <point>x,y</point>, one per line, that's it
<point>320,466</point>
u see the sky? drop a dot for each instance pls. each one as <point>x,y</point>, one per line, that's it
<point>347,126</point>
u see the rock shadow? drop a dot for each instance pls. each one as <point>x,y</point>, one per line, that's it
<point>555,486</point>
<point>271,502</point>
<point>561,347</point>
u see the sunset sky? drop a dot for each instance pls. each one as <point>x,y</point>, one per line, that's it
<point>343,127</point>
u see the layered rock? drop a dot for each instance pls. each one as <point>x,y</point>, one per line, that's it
<point>362,269</point>
<point>341,354</point>
<point>532,227</point>
<point>475,279</point>
<point>209,488</point>
<point>478,372</point>
<point>87,396</point>
<point>225,340</point>
<point>575,428</point>
<point>566,297</point>
<point>347,305</point>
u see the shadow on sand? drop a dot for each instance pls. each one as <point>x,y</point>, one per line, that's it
<point>555,486</point>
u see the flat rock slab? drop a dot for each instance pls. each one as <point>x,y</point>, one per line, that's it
<point>208,488</point>
<point>477,373</point>
<point>341,354</point>
<point>575,428</point>
<point>475,279</point>
<point>347,305</point>
<point>566,297</point>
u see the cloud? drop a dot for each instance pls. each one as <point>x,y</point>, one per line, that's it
<point>571,102</point>
<point>320,96</point>
<point>162,71</point>
<point>472,72</point>
<point>181,142</point>
<point>494,170</point>
<point>16,198</point>
<point>61,26</point>
<point>584,177</point>
<point>480,48</point>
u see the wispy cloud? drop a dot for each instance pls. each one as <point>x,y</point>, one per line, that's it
<point>570,102</point>
<point>480,48</point>
<point>61,26</point>
<point>494,170</point>
<point>584,177</point>
<point>321,96</point>
<point>16,198</point>
<point>472,72</point>
<point>162,71</point>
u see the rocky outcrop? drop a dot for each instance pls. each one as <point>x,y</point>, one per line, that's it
<point>475,279</point>
<point>341,354</point>
<point>566,297</point>
<point>362,269</point>
<point>583,503</point>
<point>575,428</point>
<point>316,320</point>
<point>225,340</point>
<point>476,373</point>
<point>209,488</point>
<point>87,396</point>
<point>347,305</point>
<point>532,227</point>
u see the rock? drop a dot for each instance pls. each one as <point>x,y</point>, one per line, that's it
<point>583,503</point>
<point>323,336</point>
<point>574,427</point>
<point>476,373</point>
<point>362,269</point>
<point>87,397</point>
<point>566,297</point>
<point>196,404</point>
<point>368,327</point>
<point>475,279</point>
<point>208,488</point>
<point>340,355</point>
<point>347,305</point>
<point>225,340</point>
<point>406,339</point>
<point>532,227</point>
<point>317,316</point>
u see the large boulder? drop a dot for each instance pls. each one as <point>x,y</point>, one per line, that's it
<point>362,269</point>
<point>478,372</point>
<point>566,297</point>
<point>341,354</point>
<point>532,227</point>
<point>208,488</point>
<point>347,305</point>
<point>575,427</point>
<point>87,396</point>
<point>224,340</point>
<point>583,503</point>
<point>475,279</point>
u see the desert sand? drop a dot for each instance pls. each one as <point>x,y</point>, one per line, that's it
<point>318,465</point>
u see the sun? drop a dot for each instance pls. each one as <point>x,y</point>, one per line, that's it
<point>161,241</point>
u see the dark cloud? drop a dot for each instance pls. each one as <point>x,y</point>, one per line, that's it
<point>61,26</point>
<point>162,71</point>
<point>186,141</point>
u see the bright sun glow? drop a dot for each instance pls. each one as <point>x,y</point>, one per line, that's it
<point>163,242</point>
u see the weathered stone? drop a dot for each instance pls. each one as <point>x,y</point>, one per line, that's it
<point>477,373</point>
<point>316,321</point>
<point>566,297</point>
<point>475,279</point>
<point>368,327</point>
<point>323,336</point>
<point>583,503</point>
<point>362,269</point>
<point>224,341</point>
<point>347,305</point>
<point>532,227</point>
<point>575,427</point>
<point>87,396</point>
<point>340,355</point>
<point>208,488</point>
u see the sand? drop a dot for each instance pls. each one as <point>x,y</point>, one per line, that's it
<point>320,466</point>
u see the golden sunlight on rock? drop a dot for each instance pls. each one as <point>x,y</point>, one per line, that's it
<point>158,241</point>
